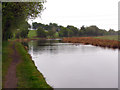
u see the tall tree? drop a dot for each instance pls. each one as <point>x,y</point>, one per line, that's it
<point>41,32</point>
<point>16,13</point>
<point>73,29</point>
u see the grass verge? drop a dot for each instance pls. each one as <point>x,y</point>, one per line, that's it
<point>27,73</point>
<point>6,58</point>
<point>32,33</point>
<point>111,37</point>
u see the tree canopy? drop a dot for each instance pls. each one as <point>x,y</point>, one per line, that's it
<point>15,15</point>
<point>41,32</point>
<point>72,31</point>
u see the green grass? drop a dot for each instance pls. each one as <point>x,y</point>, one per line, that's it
<point>27,73</point>
<point>6,58</point>
<point>56,34</point>
<point>112,37</point>
<point>32,33</point>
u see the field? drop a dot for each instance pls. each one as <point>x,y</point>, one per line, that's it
<point>112,37</point>
<point>32,33</point>
<point>93,41</point>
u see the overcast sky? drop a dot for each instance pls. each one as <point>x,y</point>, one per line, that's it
<point>103,13</point>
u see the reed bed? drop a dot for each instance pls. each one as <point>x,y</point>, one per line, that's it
<point>93,41</point>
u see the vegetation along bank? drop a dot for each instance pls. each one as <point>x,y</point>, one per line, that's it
<point>93,41</point>
<point>26,72</point>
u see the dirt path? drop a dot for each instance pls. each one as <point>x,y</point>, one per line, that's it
<point>10,78</point>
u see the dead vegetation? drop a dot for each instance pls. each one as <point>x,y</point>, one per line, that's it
<point>93,41</point>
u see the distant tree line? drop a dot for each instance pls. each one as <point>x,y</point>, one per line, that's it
<point>55,30</point>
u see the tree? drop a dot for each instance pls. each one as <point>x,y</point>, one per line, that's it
<point>35,25</point>
<point>82,31</point>
<point>17,35</point>
<point>112,32</point>
<point>83,27</point>
<point>24,33</point>
<point>16,13</point>
<point>92,31</point>
<point>41,32</point>
<point>65,32</point>
<point>73,29</point>
<point>51,33</point>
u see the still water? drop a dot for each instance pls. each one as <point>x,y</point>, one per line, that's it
<point>65,65</point>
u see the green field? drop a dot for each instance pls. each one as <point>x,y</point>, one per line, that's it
<point>112,37</point>
<point>32,33</point>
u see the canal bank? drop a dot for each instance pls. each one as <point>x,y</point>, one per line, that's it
<point>27,75</point>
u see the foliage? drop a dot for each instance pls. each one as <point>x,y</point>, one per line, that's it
<point>41,32</point>
<point>32,33</point>
<point>15,14</point>
<point>17,35</point>
<point>24,33</point>
<point>74,30</point>
<point>111,32</point>
<point>52,32</point>
<point>71,31</point>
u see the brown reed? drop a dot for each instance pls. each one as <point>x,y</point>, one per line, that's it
<point>93,41</point>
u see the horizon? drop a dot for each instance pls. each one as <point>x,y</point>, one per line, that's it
<point>71,25</point>
<point>103,15</point>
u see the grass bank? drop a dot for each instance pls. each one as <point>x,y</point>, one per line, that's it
<point>32,33</point>
<point>6,58</point>
<point>93,41</point>
<point>110,37</point>
<point>27,73</point>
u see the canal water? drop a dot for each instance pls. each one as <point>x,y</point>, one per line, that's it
<point>67,65</point>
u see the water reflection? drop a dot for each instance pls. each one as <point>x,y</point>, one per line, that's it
<point>55,47</point>
<point>66,65</point>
